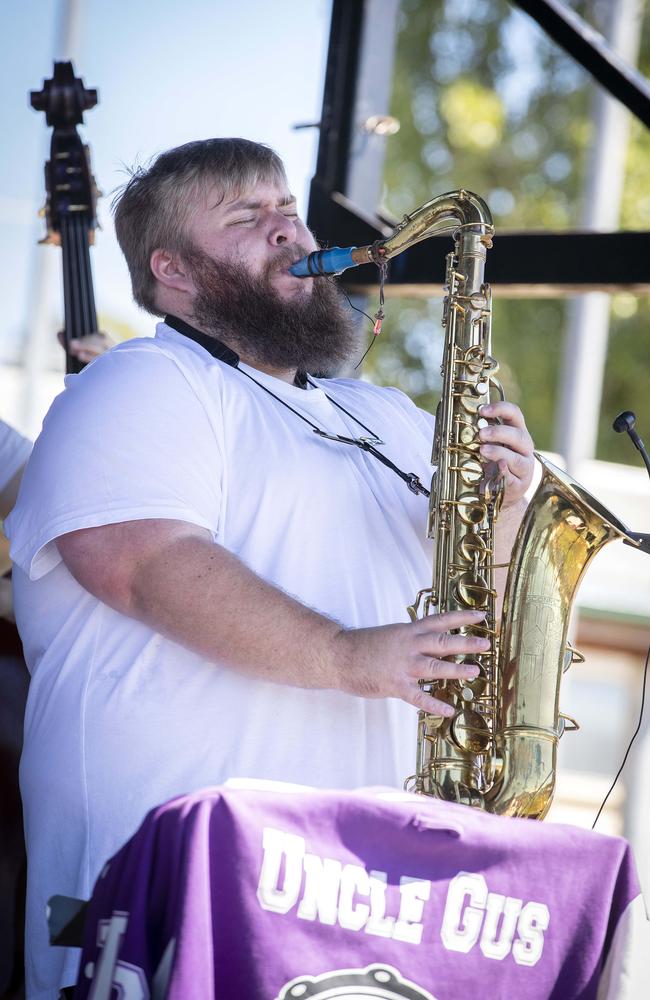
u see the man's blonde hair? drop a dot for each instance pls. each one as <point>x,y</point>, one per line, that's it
<point>153,208</point>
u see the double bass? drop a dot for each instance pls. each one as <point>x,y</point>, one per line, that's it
<point>70,210</point>
<point>71,198</point>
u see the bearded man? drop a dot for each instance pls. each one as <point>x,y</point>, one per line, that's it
<point>207,585</point>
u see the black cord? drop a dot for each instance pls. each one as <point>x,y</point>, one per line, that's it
<point>629,746</point>
<point>365,353</point>
<point>356,308</point>
<point>379,316</point>
<point>370,319</point>
<point>365,444</point>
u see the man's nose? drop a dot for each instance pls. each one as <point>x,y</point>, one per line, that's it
<point>282,230</point>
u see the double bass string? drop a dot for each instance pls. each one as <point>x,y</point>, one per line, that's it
<point>77,278</point>
<point>68,292</point>
<point>85,277</point>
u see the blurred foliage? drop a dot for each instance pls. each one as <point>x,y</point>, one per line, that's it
<point>487,101</point>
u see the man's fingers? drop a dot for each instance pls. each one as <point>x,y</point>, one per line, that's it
<point>433,669</point>
<point>518,465</point>
<point>449,620</point>
<point>515,438</point>
<point>90,347</point>
<point>452,645</point>
<point>427,702</point>
<point>509,413</point>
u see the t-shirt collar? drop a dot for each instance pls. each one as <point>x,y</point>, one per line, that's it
<point>216,347</point>
<point>213,346</point>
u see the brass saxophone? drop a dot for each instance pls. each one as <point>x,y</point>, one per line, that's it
<point>499,750</point>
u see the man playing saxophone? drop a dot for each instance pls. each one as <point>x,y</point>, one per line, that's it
<point>220,590</point>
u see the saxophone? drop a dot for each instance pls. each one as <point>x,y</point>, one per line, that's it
<point>499,750</point>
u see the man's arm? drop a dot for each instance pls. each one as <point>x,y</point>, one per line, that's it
<point>171,576</point>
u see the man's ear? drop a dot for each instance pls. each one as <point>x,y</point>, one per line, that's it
<point>170,270</point>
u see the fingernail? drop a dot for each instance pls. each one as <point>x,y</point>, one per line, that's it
<point>448,711</point>
<point>473,672</point>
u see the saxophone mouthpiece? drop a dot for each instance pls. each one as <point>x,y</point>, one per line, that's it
<point>323,262</point>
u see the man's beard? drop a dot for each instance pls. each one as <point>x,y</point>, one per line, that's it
<point>312,332</point>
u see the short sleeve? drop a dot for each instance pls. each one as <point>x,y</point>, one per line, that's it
<point>128,439</point>
<point>14,452</point>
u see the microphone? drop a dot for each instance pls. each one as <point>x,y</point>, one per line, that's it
<point>625,421</point>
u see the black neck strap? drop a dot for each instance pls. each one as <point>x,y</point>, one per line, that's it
<point>213,346</point>
<point>216,347</point>
<point>219,350</point>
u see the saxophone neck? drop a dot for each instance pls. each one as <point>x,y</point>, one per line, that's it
<point>466,210</point>
<point>472,226</point>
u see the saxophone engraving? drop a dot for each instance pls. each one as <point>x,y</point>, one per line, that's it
<point>499,750</point>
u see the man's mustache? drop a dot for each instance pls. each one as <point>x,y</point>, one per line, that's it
<point>284,257</point>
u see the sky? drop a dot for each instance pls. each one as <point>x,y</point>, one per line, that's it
<point>166,73</point>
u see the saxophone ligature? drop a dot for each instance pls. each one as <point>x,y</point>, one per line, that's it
<point>499,751</point>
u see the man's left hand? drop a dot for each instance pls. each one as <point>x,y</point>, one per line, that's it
<point>87,348</point>
<point>507,447</point>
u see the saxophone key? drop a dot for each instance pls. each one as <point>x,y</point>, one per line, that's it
<point>472,549</point>
<point>470,732</point>
<point>470,471</point>
<point>471,510</point>
<point>468,399</point>
<point>472,591</point>
<point>467,434</point>
<point>477,686</point>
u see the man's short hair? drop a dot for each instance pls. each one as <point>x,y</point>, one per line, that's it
<point>154,206</point>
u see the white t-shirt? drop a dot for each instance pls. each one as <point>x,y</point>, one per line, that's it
<point>120,719</point>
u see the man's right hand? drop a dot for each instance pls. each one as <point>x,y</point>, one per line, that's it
<point>388,661</point>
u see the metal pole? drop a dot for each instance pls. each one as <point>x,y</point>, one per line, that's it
<point>588,315</point>
<point>585,356</point>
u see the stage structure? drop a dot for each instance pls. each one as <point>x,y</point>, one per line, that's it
<point>345,190</point>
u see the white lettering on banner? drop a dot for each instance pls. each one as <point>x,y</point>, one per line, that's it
<point>534,920</point>
<point>336,893</point>
<point>414,893</point>
<point>108,974</point>
<point>472,912</point>
<point>354,882</point>
<point>494,945</point>
<point>330,892</point>
<point>378,923</point>
<point>461,925</point>
<point>279,846</point>
<point>322,880</point>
